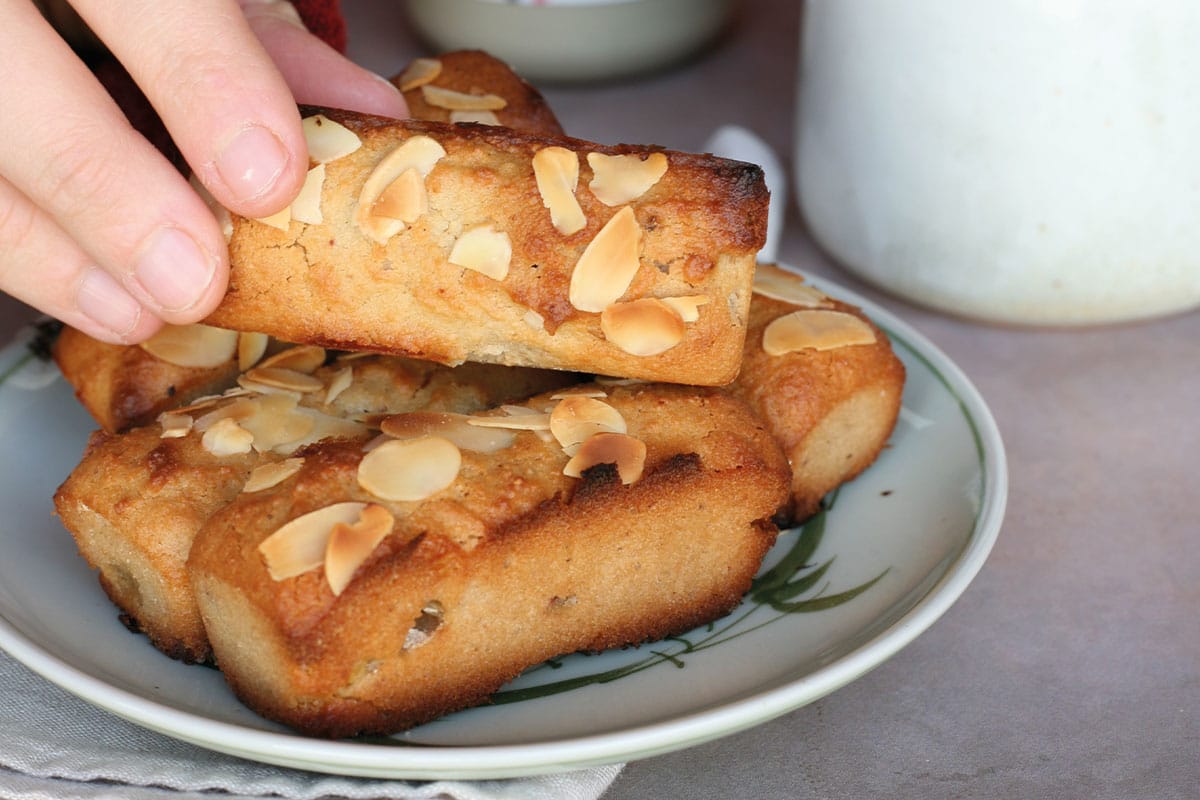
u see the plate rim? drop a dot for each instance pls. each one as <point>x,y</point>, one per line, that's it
<point>472,762</point>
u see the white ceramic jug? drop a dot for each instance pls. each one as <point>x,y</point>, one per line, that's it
<point>1013,160</point>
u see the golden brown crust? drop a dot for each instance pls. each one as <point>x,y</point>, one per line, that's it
<point>477,72</point>
<point>832,411</point>
<point>136,500</point>
<point>123,386</point>
<point>553,565</point>
<point>331,284</point>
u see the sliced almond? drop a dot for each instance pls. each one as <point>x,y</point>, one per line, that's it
<point>627,452</point>
<point>328,140</point>
<point>622,179</point>
<point>534,320</point>
<point>688,306</point>
<point>608,264</point>
<point>299,545</point>
<point>175,425</point>
<point>485,250</point>
<point>254,387</point>
<point>240,409</point>
<point>196,345</point>
<point>418,73</point>
<point>307,205</point>
<point>251,347</point>
<point>340,382</point>
<point>227,438</point>
<point>305,358</point>
<point>410,469</point>
<point>418,153</point>
<point>453,427</point>
<point>281,220</point>
<point>350,544</point>
<point>815,329</point>
<point>405,199</point>
<point>556,170</point>
<point>461,101</point>
<point>265,476</point>
<point>574,420</point>
<point>526,419</point>
<point>287,379</point>
<point>582,391</point>
<point>777,284</point>
<point>482,117</point>
<point>277,424</point>
<point>643,327</point>
<point>323,426</point>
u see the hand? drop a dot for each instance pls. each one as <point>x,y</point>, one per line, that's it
<point>96,227</point>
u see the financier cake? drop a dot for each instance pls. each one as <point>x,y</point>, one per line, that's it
<point>377,588</point>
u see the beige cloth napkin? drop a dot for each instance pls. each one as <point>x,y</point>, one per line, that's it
<point>54,746</point>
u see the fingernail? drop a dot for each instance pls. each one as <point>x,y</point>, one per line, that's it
<point>105,302</point>
<point>251,163</point>
<point>174,270</point>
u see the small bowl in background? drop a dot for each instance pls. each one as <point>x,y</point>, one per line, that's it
<point>573,41</point>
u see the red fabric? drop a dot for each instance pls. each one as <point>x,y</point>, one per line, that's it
<point>324,18</point>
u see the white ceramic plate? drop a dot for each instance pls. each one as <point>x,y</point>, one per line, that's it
<point>919,524</point>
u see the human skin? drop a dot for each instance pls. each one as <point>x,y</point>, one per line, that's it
<point>97,227</point>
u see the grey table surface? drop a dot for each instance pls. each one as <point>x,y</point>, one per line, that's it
<point>1070,668</point>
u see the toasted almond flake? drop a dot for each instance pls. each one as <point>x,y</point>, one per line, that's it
<point>224,218</point>
<point>307,205</point>
<point>278,425</point>
<point>250,349</point>
<point>582,391</point>
<point>298,358</point>
<point>622,179</point>
<point>199,404</point>
<point>227,438</point>
<point>418,152</point>
<point>265,476</point>
<point>240,409</point>
<point>175,425</point>
<point>481,117</point>
<point>254,387</point>
<point>608,264</point>
<point>410,469</point>
<point>281,220</point>
<point>556,170</point>
<point>354,356</point>
<point>534,320</point>
<point>324,426</point>
<point>461,101</point>
<point>643,327</point>
<point>299,545</point>
<point>484,250</point>
<point>627,452</point>
<point>328,140</point>
<point>200,346</point>
<point>780,285</point>
<point>339,383</point>
<point>815,329</point>
<point>404,199</point>
<point>452,427</point>
<point>418,73</point>
<point>688,306</point>
<point>424,626</point>
<point>532,421</point>
<point>350,544</point>
<point>576,419</point>
<point>287,379</point>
